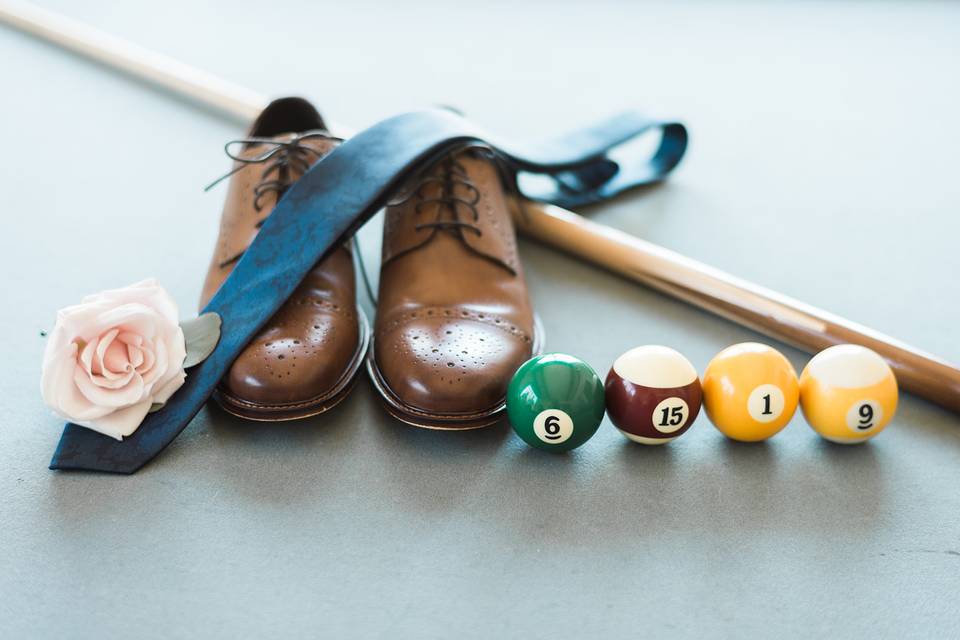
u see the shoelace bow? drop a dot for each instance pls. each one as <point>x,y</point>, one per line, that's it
<point>286,159</point>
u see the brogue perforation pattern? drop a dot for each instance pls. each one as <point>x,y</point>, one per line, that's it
<point>455,312</point>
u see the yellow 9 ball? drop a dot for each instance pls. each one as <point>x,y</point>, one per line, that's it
<point>750,391</point>
<point>848,393</point>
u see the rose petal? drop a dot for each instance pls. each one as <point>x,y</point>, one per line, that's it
<point>146,292</point>
<point>60,393</point>
<point>116,358</point>
<point>126,395</point>
<point>118,382</point>
<point>149,358</point>
<point>130,338</point>
<point>92,366</point>
<point>120,423</point>
<point>77,322</point>
<point>176,355</point>
<point>133,318</point>
<point>134,355</point>
<point>133,343</point>
<point>86,356</point>
<point>177,349</point>
<point>103,345</point>
<point>159,368</point>
<point>170,387</point>
<point>106,338</point>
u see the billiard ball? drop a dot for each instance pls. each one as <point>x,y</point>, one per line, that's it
<point>848,393</point>
<point>750,391</point>
<point>653,394</point>
<point>555,402</point>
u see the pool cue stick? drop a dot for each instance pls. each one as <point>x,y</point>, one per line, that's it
<point>747,304</point>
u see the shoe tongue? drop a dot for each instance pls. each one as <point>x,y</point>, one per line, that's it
<point>498,241</point>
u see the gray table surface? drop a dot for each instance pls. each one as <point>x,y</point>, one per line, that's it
<point>823,164</point>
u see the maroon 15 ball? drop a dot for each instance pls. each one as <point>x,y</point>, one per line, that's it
<point>653,394</point>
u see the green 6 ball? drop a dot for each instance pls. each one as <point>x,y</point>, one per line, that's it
<point>555,402</point>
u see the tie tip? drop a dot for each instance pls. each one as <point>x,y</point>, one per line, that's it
<point>61,463</point>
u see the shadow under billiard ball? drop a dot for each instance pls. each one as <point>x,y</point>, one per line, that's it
<point>652,394</point>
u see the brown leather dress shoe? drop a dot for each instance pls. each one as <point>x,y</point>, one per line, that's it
<point>305,359</point>
<point>454,321</point>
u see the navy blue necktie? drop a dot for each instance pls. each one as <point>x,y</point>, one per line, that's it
<point>331,201</point>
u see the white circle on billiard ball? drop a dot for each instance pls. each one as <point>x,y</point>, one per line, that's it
<point>553,426</point>
<point>848,366</point>
<point>864,416</point>
<point>655,366</point>
<point>766,403</point>
<point>670,415</point>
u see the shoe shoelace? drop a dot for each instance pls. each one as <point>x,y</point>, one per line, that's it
<point>285,158</point>
<point>448,175</point>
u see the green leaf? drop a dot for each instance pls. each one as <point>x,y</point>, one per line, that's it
<point>201,335</point>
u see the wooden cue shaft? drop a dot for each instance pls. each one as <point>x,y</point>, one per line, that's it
<point>742,302</point>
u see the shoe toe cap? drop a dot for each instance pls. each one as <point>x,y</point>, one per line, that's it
<point>449,366</point>
<point>286,366</point>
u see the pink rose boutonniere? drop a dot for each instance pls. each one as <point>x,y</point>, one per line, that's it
<point>119,354</point>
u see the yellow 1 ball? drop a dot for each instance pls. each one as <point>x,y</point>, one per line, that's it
<point>750,391</point>
<point>848,393</point>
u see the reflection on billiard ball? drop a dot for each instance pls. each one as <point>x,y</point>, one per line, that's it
<point>750,391</point>
<point>653,394</point>
<point>848,393</point>
<point>555,402</point>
